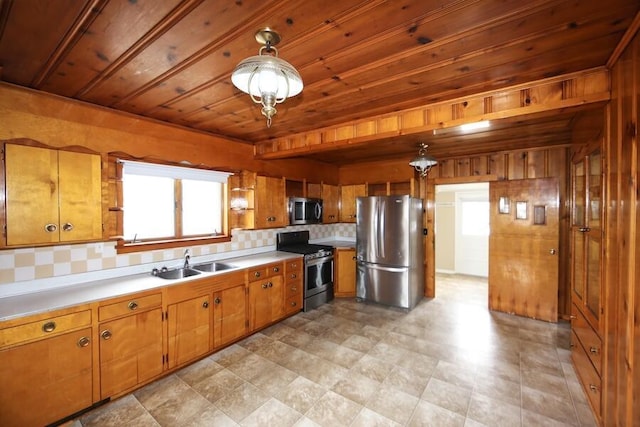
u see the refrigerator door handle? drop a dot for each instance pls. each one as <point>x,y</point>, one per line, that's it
<point>381,267</point>
<point>381,206</point>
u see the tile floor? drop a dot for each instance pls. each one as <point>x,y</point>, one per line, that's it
<point>448,362</point>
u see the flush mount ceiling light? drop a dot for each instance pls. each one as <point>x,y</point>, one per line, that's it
<point>423,162</point>
<point>268,79</point>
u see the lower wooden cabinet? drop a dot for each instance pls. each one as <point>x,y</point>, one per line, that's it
<point>293,286</point>
<point>131,347</point>
<point>345,276</point>
<point>189,330</point>
<point>46,380</point>
<point>266,295</point>
<point>229,315</point>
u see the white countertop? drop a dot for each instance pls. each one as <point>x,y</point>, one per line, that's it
<point>62,297</point>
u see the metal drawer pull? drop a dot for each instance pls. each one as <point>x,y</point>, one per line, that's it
<point>265,285</point>
<point>133,305</point>
<point>270,284</point>
<point>106,334</point>
<point>50,228</point>
<point>67,226</point>
<point>257,274</point>
<point>594,350</point>
<point>276,269</point>
<point>593,388</point>
<point>584,229</point>
<point>293,275</point>
<point>83,342</point>
<point>293,304</point>
<point>217,300</point>
<point>49,327</point>
<point>293,288</point>
<point>205,304</point>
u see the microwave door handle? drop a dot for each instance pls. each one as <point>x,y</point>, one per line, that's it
<point>318,211</point>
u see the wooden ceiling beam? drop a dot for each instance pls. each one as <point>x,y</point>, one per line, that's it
<point>553,94</point>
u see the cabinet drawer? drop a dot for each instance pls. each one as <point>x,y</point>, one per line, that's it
<point>293,304</point>
<point>588,338</point>
<point>44,328</point>
<point>264,271</point>
<point>292,289</point>
<point>128,306</point>
<point>588,375</point>
<point>294,266</point>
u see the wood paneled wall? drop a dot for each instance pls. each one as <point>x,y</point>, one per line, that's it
<point>508,165</point>
<point>60,122</point>
<point>621,269</point>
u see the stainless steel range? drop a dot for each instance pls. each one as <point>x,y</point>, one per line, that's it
<point>318,266</point>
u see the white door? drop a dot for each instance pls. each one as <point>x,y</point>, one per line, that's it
<point>472,233</point>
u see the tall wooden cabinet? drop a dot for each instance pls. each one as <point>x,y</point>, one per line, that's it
<point>586,245</point>
<point>52,196</point>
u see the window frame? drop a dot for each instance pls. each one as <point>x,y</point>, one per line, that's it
<point>117,206</point>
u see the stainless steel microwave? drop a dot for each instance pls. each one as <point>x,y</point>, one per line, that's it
<point>304,210</point>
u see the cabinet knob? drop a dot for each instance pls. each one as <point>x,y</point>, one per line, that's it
<point>106,334</point>
<point>584,229</point>
<point>49,327</point>
<point>257,274</point>
<point>83,342</point>
<point>50,228</point>
<point>265,285</point>
<point>217,300</point>
<point>205,304</point>
<point>294,288</point>
<point>593,388</point>
<point>133,305</point>
<point>293,275</point>
<point>594,350</point>
<point>276,269</point>
<point>552,251</point>
<point>270,284</point>
<point>293,304</point>
<point>67,226</point>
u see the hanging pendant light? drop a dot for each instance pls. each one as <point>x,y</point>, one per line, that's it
<point>268,79</point>
<point>423,162</point>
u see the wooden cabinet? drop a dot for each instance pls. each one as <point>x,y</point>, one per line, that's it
<point>266,295</point>
<point>189,330</point>
<point>257,201</point>
<point>229,315</point>
<point>586,295</point>
<point>52,196</point>
<point>131,342</point>
<point>348,196</point>
<point>293,286</point>
<point>330,203</point>
<point>45,367</point>
<point>345,266</point>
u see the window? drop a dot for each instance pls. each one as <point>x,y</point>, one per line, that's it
<point>171,203</point>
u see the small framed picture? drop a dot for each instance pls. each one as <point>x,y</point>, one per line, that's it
<point>504,205</point>
<point>521,210</point>
<point>539,215</point>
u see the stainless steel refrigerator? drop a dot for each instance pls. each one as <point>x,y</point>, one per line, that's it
<point>389,250</point>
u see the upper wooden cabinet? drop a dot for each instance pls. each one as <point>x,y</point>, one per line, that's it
<point>348,196</point>
<point>52,196</point>
<point>257,201</point>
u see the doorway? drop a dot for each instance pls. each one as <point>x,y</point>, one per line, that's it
<point>462,229</point>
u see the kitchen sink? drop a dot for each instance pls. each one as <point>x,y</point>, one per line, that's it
<point>213,266</point>
<point>176,273</point>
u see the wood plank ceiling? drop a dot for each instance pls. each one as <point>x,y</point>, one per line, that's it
<point>171,60</point>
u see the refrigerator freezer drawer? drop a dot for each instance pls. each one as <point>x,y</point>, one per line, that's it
<point>387,285</point>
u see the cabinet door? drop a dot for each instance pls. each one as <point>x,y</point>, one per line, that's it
<point>270,202</point>
<point>80,182</point>
<point>130,351</point>
<point>346,275</point>
<point>229,315</point>
<point>330,203</point>
<point>31,195</point>
<point>46,380</point>
<point>189,330</point>
<point>259,304</point>
<point>276,291</point>
<point>348,196</point>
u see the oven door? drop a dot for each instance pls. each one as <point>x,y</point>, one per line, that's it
<point>318,275</point>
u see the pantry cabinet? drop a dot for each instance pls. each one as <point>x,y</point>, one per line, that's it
<point>586,295</point>
<point>345,285</point>
<point>52,196</point>
<point>131,342</point>
<point>348,196</point>
<point>266,295</point>
<point>45,367</point>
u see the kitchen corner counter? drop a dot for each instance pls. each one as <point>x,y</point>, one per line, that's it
<point>16,306</point>
<point>339,244</point>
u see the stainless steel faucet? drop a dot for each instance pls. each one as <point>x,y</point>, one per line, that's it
<point>187,257</point>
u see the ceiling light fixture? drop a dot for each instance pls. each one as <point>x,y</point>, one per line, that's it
<point>423,162</point>
<point>268,79</point>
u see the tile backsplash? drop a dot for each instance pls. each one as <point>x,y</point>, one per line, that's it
<point>41,263</point>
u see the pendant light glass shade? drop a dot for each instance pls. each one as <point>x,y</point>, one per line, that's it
<point>423,162</point>
<point>268,79</point>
